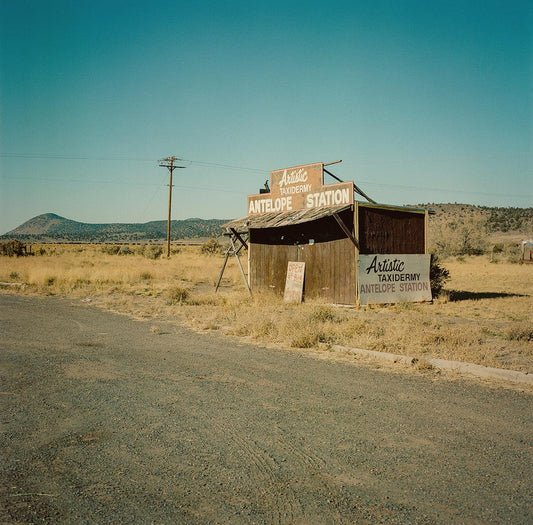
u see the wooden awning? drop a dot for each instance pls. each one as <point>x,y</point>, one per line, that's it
<point>288,218</point>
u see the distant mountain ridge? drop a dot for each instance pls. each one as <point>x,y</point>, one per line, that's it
<point>492,223</point>
<point>50,227</point>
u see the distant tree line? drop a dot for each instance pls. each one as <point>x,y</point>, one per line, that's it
<point>14,248</point>
<point>509,219</point>
<point>462,229</point>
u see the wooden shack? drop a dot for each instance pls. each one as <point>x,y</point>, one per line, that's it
<point>302,219</point>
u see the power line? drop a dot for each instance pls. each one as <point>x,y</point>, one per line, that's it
<point>71,157</point>
<point>151,199</point>
<point>122,158</point>
<point>249,169</point>
<point>84,181</point>
<point>413,160</point>
<point>226,166</point>
<point>121,182</point>
<point>242,192</point>
<point>410,188</point>
<point>376,160</point>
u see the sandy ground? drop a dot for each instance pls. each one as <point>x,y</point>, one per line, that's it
<point>110,420</point>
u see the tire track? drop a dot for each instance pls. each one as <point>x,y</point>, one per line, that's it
<point>281,500</point>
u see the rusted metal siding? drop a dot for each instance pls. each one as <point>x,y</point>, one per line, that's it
<point>383,230</point>
<point>330,258</point>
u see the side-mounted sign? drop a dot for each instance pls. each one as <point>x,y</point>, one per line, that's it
<point>301,187</point>
<point>394,278</point>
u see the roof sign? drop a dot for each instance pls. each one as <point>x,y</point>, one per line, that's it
<point>300,187</point>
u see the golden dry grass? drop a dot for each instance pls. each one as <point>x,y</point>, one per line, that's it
<point>485,315</point>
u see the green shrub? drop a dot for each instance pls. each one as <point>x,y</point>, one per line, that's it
<point>110,249</point>
<point>438,275</point>
<point>514,253</point>
<point>152,251</point>
<point>211,247</point>
<point>125,250</point>
<point>13,249</point>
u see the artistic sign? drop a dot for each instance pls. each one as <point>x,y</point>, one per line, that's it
<point>294,284</point>
<point>301,187</point>
<point>394,278</point>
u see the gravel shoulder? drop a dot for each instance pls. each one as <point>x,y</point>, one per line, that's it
<point>110,420</point>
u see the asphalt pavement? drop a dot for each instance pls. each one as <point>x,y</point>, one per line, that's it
<point>106,419</point>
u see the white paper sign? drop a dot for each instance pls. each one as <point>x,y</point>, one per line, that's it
<point>294,284</point>
<point>394,278</point>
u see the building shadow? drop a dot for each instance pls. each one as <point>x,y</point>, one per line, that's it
<point>461,295</point>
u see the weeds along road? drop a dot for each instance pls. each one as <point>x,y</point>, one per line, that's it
<point>111,420</point>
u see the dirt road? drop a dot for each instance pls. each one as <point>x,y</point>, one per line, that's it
<point>110,420</point>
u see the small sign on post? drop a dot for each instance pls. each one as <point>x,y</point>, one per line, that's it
<point>294,285</point>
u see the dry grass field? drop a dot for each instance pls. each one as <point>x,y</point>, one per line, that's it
<point>485,315</point>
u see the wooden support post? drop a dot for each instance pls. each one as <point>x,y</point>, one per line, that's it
<point>331,174</point>
<point>236,253</point>
<point>222,270</point>
<point>346,230</point>
<point>363,194</point>
<point>426,226</point>
<point>356,188</point>
<point>242,241</point>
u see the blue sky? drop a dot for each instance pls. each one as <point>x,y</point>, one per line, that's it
<point>424,101</point>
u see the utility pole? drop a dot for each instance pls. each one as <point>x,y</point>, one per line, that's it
<point>169,163</point>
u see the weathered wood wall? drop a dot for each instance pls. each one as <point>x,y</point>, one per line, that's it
<point>330,259</point>
<point>383,230</point>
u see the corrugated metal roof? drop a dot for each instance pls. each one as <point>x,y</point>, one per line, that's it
<point>278,219</point>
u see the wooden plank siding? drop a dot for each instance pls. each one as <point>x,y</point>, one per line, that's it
<point>330,258</point>
<point>384,231</point>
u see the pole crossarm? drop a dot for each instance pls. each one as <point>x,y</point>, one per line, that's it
<point>170,161</point>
